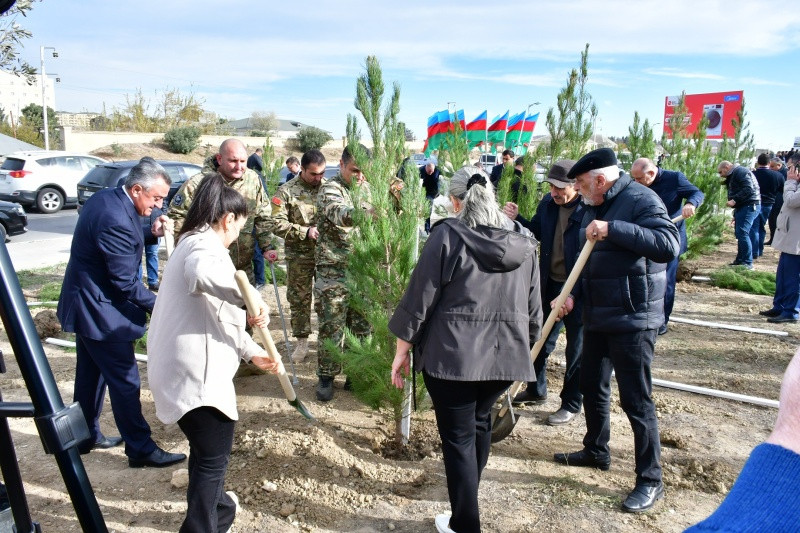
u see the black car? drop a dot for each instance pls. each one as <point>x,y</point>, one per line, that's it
<point>114,174</point>
<point>13,220</point>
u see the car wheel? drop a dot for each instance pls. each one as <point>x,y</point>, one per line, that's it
<point>49,200</point>
<point>3,234</point>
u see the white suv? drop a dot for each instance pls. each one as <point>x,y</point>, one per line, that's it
<point>45,179</point>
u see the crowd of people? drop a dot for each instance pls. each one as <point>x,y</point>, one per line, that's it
<point>473,308</point>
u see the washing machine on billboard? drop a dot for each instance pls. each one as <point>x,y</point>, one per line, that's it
<point>714,114</point>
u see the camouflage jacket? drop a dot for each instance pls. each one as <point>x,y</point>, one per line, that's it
<point>294,209</point>
<point>335,205</point>
<point>258,210</point>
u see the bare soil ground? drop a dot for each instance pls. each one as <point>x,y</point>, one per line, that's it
<point>330,475</point>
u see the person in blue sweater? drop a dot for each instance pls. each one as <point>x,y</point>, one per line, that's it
<point>765,496</point>
<point>681,198</point>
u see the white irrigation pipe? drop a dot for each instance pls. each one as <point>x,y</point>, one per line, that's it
<point>69,344</point>
<point>764,402</point>
<point>720,325</point>
<point>705,391</point>
<point>41,304</point>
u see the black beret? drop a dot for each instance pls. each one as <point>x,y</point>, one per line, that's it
<point>600,158</point>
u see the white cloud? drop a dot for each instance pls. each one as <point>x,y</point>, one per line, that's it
<point>679,73</point>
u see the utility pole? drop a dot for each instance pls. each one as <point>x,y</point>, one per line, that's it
<point>44,99</point>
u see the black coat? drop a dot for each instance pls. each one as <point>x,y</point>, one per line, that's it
<point>742,187</point>
<point>624,280</point>
<point>473,307</point>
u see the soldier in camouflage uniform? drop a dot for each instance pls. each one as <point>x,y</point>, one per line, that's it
<point>232,164</point>
<point>294,219</point>
<point>335,205</point>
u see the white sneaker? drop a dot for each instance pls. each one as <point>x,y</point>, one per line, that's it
<point>443,523</point>
<point>301,350</point>
<point>235,499</point>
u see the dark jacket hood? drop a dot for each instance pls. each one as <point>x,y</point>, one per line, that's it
<point>497,250</point>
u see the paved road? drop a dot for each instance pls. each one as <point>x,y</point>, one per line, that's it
<point>47,241</point>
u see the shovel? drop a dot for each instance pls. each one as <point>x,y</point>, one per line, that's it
<point>273,257</point>
<point>503,419</point>
<point>251,299</point>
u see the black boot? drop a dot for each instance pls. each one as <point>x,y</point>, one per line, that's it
<point>325,388</point>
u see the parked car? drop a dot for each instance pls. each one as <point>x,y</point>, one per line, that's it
<point>13,220</point>
<point>114,174</point>
<point>47,180</point>
<point>488,161</point>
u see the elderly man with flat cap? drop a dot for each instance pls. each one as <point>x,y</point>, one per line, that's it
<point>623,285</point>
<point>556,225</point>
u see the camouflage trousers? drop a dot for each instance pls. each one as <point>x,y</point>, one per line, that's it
<point>334,314</point>
<point>299,290</point>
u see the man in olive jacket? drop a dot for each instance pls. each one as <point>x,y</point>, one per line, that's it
<point>623,286</point>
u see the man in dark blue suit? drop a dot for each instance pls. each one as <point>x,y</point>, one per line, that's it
<point>104,303</point>
<point>681,198</point>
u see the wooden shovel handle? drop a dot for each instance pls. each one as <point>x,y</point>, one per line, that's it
<point>253,302</point>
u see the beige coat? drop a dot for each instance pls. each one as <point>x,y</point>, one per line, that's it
<point>787,228</point>
<point>197,331</point>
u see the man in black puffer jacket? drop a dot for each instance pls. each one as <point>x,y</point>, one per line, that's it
<point>623,287</point>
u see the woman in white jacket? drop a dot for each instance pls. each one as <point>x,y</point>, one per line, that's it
<point>195,341</point>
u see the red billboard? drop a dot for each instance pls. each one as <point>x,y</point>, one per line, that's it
<point>720,108</point>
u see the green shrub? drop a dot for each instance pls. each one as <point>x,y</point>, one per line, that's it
<point>183,139</point>
<point>311,138</point>
<point>740,279</point>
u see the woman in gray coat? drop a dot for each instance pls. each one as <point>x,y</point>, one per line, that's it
<point>472,311</point>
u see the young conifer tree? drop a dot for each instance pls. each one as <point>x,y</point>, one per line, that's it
<point>640,141</point>
<point>385,247</point>
<point>692,155</point>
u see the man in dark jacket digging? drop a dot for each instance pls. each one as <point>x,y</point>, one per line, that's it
<point>622,285</point>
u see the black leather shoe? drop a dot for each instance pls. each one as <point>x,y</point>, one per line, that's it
<point>528,398</point>
<point>582,458</point>
<point>643,497</point>
<point>103,443</point>
<point>769,312</point>
<point>782,319</point>
<point>158,458</point>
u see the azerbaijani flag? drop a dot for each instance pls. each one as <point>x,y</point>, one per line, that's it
<point>514,129</point>
<point>438,125</point>
<point>458,116</point>
<point>497,129</point>
<point>476,130</point>
<point>527,128</point>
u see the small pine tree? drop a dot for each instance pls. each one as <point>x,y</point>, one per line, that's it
<point>692,156</point>
<point>640,141</point>
<point>385,250</point>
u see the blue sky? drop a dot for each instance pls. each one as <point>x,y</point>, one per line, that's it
<point>301,59</point>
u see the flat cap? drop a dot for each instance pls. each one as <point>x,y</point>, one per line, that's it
<point>558,175</point>
<point>600,158</point>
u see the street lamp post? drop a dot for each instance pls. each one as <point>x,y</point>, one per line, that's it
<point>44,99</point>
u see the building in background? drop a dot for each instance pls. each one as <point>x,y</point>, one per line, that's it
<point>16,94</point>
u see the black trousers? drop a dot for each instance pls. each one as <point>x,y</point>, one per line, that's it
<point>570,392</point>
<point>210,435</point>
<point>463,415</point>
<point>629,355</point>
